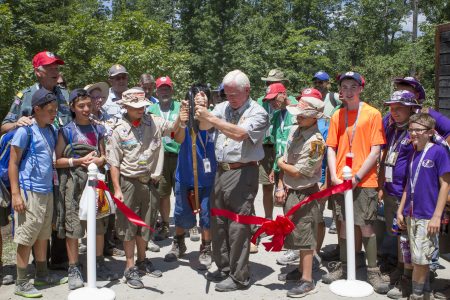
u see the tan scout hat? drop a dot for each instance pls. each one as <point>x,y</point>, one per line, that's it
<point>102,86</point>
<point>310,104</point>
<point>134,97</point>
<point>274,76</point>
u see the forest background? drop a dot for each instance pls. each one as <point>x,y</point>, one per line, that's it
<point>201,40</point>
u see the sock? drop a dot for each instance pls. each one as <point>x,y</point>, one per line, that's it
<point>427,286</point>
<point>417,288</point>
<point>41,269</point>
<point>370,245</point>
<point>21,275</point>
<point>343,251</point>
<point>408,272</point>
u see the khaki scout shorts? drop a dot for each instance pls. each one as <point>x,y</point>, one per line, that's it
<point>143,199</point>
<point>422,245</point>
<point>390,211</point>
<point>167,181</point>
<point>365,204</point>
<point>305,220</point>
<point>266,164</point>
<point>36,222</point>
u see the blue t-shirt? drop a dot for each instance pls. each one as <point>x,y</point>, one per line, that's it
<point>184,172</point>
<point>36,168</point>
<point>323,125</point>
<point>83,134</point>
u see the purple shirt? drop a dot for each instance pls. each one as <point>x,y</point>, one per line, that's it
<point>434,165</point>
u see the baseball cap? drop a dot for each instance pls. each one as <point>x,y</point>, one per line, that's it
<point>44,58</point>
<point>79,92</point>
<point>165,80</point>
<point>273,90</point>
<point>415,84</point>
<point>321,75</point>
<point>116,70</point>
<point>403,97</point>
<point>42,96</point>
<point>275,75</point>
<point>134,97</point>
<point>310,104</point>
<point>352,75</point>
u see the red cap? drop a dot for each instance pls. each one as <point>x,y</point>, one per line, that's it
<point>310,93</point>
<point>46,58</point>
<point>273,90</point>
<point>165,80</point>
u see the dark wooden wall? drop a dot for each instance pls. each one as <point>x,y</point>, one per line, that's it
<point>442,68</point>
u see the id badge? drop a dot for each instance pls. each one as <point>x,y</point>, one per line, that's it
<point>392,159</point>
<point>142,161</point>
<point>388,173</point>
<point>206,165</point>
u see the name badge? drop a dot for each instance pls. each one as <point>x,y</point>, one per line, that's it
<point>388,173</point>
<point>391,159</point>
<point>206,165</point>
<point>143,161</point>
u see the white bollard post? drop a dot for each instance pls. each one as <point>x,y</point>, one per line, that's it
<point>91,291</point>
<point>350,287</point>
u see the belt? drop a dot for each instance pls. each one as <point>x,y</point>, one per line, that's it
<point>171,154</point>
<point>268,145</point>
<point>236,165</point>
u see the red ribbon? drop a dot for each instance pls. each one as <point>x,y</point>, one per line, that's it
<point>131,215</point>
<point>282,225</point>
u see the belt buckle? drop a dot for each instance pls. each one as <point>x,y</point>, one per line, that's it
<point>226,166</point>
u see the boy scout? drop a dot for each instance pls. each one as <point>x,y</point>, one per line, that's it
<point>135,155</point>
<point>301,170</point>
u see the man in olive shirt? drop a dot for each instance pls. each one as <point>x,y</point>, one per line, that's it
<point>240,125</point>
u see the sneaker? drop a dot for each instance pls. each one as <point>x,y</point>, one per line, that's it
<point>5,279</point>
<point>331,255</point>
<point>293,276</point>
<point>194,235</point>
<point>416,297</point>
<point>82,248</point>
<point>177,251</point>
<point>132,278</point>
<point>75,278</point>
<point>317,263</point>
<point>50,279</point>
<point>228,285</point>
<point>402,288</point>
<point>302,289</point>
<point>205,257</point>
<point>27,290</point>
<point>146,267</point>
<point>217,276</point>
<point>163,232</point>
<point>289,257</point>
<point>114,252</point>
<point>332,229</point>
<point>151,246</point>
<point>378,284</point>
<point>338,271</point>
<point>104,273</point>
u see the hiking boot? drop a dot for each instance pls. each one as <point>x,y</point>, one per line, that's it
<point>289,257</point>
<point>104,273</point>
<point>178,249</point>
<point>27,290</point>
<point>194,235</point>
<point>151,246</point>
<point>401,289</point>
<point>163,232</point>
<point>228,285</point>
<point>50,279</point>
<point>147,267</point>
<point>253,248</point>
<point>378,284</point>
<point>293,276</point>
<point>217,276</point>
<point>332,229</point>
<point>339,271</point>
<point>75,278</point>
<point>114,252</point>
<point>302,289</point>
<point>132,278</point>
<point>5,279</point>
<point>205,258</point>
<point>331,255</point>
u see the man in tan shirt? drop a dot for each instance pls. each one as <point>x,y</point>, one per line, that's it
<point>135,155</point>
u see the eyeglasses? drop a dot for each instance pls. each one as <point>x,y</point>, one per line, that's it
<point>418,130</point>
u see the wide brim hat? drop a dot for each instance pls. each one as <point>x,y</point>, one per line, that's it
<point>307,107</point>
<point>102,86</point>
<point>275,75</point>
<point>134,97</point>
<point>403,97</point>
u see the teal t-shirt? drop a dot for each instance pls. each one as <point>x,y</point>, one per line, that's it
<point>169,144</point>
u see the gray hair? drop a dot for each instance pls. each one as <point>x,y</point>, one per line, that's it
<point>238,78</point>
<point>146,78</point>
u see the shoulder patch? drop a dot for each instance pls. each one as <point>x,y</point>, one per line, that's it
<point>19,95</point>
<point>317,149</point>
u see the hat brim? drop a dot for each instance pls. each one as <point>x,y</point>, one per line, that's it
<point>321,79</point>
<point>102,86</point>
<point>139,104</point>
<point>115,74</point>
<point>402,103</point>
<point>160,85</point>
<point>297,111</point>
<point>269,97</point>
<point>274,79</point>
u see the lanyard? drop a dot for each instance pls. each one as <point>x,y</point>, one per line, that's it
<point>47,145</point>
<point>416,174</point>
<point>350,139</point>
<point>393,145</point>
<point>201,142</point>
<point>283,114</point>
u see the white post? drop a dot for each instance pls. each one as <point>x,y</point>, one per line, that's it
<point>350,287</point>
<point>91,291</point>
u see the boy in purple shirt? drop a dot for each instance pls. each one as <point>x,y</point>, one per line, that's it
<point>424,198</point>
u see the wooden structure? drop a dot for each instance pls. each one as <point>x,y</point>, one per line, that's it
<point>442,69</point>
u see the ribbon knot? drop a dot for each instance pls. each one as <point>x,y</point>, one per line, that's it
<point>278,228</point>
